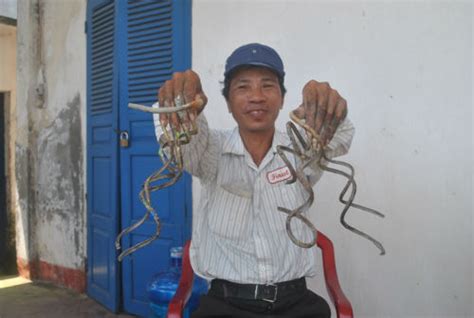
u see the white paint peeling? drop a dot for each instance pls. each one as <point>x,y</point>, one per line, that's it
<point>53,134</point>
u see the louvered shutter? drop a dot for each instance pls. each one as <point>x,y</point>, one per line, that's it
<point>157,43</point>
<point>150,48</point>
<point>132,48</point>
<point>102,154</point>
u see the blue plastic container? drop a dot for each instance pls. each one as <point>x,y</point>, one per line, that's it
<point>163,286</point>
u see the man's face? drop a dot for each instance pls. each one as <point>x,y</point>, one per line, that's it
<point>255,99</point>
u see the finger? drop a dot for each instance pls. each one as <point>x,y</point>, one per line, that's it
<point>299,111</point>
<point>193,112</point>
<point>333,99</point>
<point>310,107</point>
<point>164,97</point>
<point>329,131</point>
<point>186,118</point>
<point>178,86</point>
<point>183,121</point>
<point>323,90</point>
<point>310,97</point>
<point>177,97</point>
<point>339,116</point>
<point>190,86</point>
<point>320,116</point>
<point>341,109</point>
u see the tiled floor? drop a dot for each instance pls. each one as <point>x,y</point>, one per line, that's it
<point>22,298</point>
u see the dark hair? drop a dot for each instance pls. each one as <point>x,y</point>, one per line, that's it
<point>230,75</point>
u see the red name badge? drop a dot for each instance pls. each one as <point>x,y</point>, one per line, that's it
<point>279,175</point>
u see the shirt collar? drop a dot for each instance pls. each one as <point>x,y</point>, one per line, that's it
<point>234,144</point>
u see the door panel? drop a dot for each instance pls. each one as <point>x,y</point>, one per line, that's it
<point>133,48</point>
<point>102,154</point>
<point>148,59</point>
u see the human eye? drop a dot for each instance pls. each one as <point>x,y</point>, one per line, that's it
<point>241,86</point>
<point>269,85</point>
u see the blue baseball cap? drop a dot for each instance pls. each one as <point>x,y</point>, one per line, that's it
<point>255,54</point>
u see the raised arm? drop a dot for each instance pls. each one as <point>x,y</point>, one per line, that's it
<point>182,88</point>
<point>323,111</point>
<point>199,155</point>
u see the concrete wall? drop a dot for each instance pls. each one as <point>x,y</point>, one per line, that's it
<point>50,140</point>
<point>406,70</point>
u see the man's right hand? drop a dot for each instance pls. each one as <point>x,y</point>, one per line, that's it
<point>183,88</point>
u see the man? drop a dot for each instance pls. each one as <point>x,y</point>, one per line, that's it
<point>239,237</point>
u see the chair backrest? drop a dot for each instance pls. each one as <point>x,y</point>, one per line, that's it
<point>340,301</point>
<point>185,287</point>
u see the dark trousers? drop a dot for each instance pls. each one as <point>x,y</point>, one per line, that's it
<point>299,305</point>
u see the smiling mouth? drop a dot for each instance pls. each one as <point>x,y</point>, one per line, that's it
<point>256,113</point>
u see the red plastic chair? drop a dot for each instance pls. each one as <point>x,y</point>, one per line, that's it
<point>340,301</point>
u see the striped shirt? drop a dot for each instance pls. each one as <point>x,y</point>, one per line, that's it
<point>238,233</point>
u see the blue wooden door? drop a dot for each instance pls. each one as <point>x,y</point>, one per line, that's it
<point>102,154</point>
<point>157,43</point>
<point>133,47</point>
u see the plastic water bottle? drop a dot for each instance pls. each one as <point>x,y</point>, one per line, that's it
<point>163,286</point>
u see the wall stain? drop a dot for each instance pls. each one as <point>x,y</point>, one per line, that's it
<point>60,169</point>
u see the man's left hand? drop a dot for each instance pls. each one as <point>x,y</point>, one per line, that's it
<point>323,109</point>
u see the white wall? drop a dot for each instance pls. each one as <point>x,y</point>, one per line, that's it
<point>406,70</point>
<point>50,138</point>
<point>63,233</point>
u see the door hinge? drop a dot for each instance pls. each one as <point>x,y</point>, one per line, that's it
<point>85,27</point>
